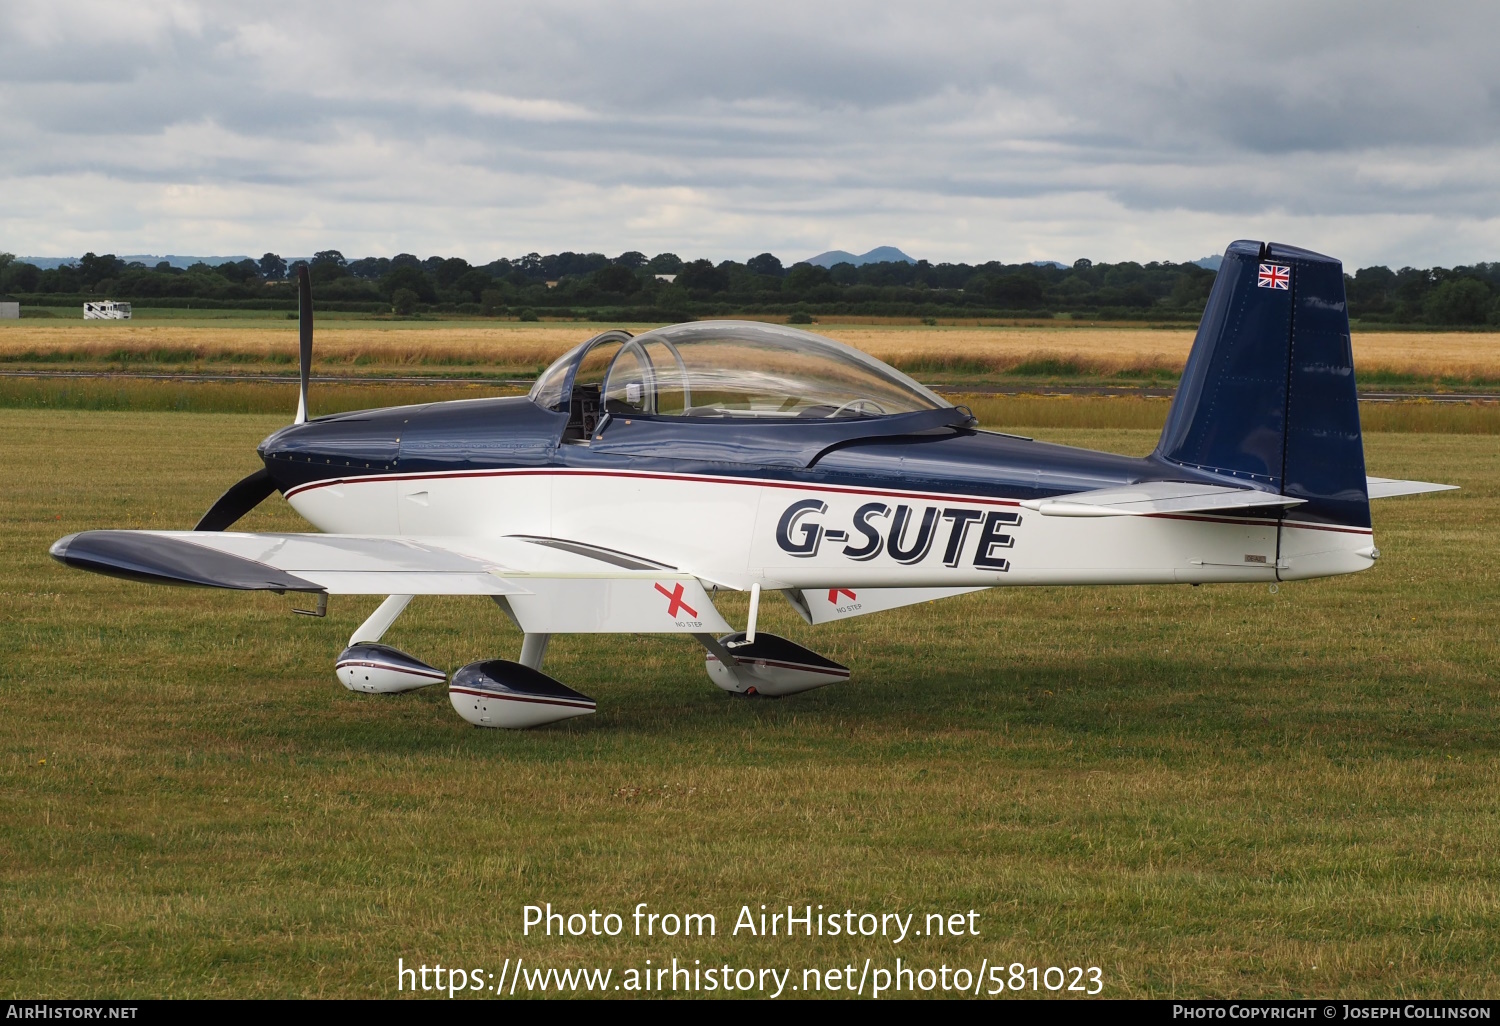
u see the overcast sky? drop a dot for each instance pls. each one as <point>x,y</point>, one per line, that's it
<point>957,131</point>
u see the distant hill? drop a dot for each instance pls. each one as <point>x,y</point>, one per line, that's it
<point>1050,263</point>
<point>47,263</point>
<point>1211,262</point>
<point>878,255</point>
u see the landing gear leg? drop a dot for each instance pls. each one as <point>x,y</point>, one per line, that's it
<point>533,646</point>
<point>534,650</point>
<point>374,628</point>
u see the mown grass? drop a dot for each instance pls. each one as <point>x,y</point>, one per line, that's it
<point>1023,411</point>
<point>225,397</point>
<point>1204,791</point>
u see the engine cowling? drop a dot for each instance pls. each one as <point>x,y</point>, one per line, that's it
<point>500,693</point>
<point>383,670</point>
<point>772,666</point>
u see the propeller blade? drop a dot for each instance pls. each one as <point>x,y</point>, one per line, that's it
<point>304,332</point>
<point>239,500</point>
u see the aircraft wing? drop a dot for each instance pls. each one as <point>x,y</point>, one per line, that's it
<point>550,586</point>
<point>1389,487</point>
<point>1155,497</point>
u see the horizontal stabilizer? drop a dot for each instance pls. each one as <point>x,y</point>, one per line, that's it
<point>1389,487</point>
<point>1158,497</point>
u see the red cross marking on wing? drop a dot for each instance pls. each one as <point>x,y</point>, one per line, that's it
<point>834,593</point>
<point>675,599</point>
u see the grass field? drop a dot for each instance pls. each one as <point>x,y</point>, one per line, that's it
<point>329,397</point>
<point>937,354</point>
<point>1205,791</point>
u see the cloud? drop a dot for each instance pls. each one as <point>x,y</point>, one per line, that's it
<point>956,130</point>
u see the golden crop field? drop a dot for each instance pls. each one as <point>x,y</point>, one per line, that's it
<point>1423,354</point>
<point>943,351</point>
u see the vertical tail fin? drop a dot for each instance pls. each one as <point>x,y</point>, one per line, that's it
<point>1268,394</point>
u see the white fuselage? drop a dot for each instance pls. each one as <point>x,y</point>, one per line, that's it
<point>736,531</point>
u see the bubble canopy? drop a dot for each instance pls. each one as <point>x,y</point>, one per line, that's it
<point>739,369</point>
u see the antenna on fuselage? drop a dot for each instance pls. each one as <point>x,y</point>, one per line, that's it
<point>304,332</point>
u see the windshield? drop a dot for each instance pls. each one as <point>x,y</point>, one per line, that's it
<point>738,369</point>
<point>584,364</point>
<point>550,391</point>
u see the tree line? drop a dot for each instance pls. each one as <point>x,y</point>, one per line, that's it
<point>665,287</point>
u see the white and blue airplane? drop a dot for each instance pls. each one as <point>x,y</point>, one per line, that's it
<point>643,475</point>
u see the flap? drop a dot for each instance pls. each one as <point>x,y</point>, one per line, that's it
<point>1153,497</point>
<point>662,604</point>
<point>1388,487</point>
<point>826,605</point>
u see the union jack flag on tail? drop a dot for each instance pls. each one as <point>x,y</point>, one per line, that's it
<point>1274,276</point>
